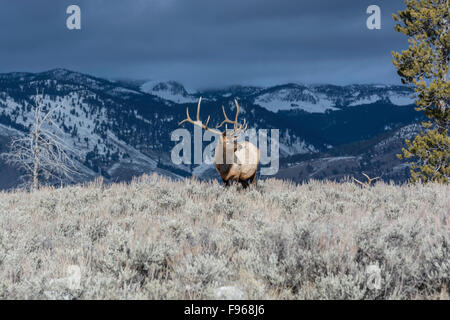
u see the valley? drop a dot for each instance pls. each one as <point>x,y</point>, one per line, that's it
<point>121,129</point>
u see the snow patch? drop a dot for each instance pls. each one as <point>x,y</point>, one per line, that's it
<point>285,99</point>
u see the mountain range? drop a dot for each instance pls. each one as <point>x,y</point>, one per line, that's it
<point>119,129</point>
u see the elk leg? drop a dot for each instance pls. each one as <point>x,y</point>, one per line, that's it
<point>227,182</point>
<point>253,178</point>
<point>244,183</point>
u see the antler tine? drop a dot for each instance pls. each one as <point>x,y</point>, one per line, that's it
<point>361,183</point>
<point>245,125</point>
<point>369,179</point>
<point>198,108</point>
<point>236,129</point>
<point>241,128</point>
<point>198,122</point>
<point>227,120</point>
<point>237,112</point>
<point>188,118</point>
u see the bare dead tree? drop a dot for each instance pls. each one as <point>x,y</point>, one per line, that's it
<point>41,153</point>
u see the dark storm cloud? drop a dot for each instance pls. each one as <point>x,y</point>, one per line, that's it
<point>204,43</point>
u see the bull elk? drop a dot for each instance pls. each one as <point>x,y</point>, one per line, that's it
<point>234,161</point>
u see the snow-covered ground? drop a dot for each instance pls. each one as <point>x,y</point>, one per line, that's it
<point>8,131</point>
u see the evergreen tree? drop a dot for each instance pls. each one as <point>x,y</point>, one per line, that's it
<point>424,66</point>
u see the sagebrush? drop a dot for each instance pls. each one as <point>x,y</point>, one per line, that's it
<point>160,239</point>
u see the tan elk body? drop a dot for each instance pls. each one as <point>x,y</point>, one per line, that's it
<point>234,161</point>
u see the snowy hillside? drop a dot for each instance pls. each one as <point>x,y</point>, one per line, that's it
<point>376,157</point>
<point>120,129</point>
<point>88,120</point>
<point>295,97</point>
<point>170,90</point>
<point>320,98</point>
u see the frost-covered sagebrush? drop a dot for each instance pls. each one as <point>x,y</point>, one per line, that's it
<point>160,239</point>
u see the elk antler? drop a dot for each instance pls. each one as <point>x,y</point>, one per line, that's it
<point>236,129</point>
<point>369,180</point>
<point>198,122</point>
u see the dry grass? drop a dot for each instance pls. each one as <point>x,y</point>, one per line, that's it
<point>158,239</point>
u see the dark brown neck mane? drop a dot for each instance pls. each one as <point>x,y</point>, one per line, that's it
<point>225,167</point>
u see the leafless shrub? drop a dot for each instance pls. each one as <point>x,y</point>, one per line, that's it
<point>159,239</point>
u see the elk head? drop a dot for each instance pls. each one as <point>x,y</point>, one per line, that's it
<point>234,161</point>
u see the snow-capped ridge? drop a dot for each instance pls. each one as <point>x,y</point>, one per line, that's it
<point>321,98</point>
<point>169,90</point>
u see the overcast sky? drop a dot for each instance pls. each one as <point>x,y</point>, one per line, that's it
<point>204,43</point>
